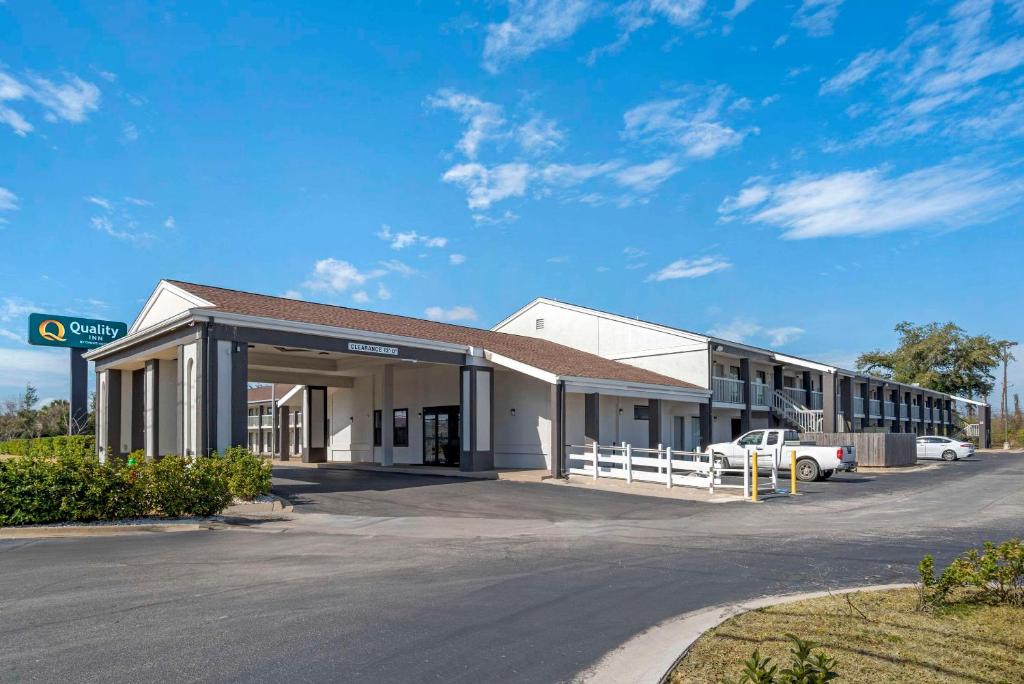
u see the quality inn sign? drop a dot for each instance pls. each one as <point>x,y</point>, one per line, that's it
<point>67,331</point>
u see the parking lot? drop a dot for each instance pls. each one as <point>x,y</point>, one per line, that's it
<point>411,578</point>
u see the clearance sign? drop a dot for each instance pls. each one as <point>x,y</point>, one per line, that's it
<point>78,333</point>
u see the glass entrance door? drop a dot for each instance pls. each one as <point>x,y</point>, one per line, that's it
<point>441,436</point>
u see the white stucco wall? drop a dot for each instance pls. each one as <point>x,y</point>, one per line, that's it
<point>166,304</point>
<point>522,440</point>
<point>673,353</point>
<point>126,410</point>
<point>167,434</point>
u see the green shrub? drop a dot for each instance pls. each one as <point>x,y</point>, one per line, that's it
<point>72,488</point>
<point>993,574</point>
<point>805,667</point>
<point>46,447</point>
<point>247,474</point>
<point>182,486</point>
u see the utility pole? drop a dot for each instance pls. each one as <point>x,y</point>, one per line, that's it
<point>1006,356</point>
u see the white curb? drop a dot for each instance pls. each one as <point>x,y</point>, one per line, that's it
<point>650,656</point>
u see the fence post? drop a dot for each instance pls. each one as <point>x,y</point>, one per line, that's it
<point>596,456</point>
<point>668,467</point>
<point>792,472</point>
<point>629,463</point>
<point>775,470</point>
<point>753,490</point>
<point>746,476</point>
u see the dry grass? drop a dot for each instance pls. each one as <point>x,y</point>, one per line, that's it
<point>876,637</point>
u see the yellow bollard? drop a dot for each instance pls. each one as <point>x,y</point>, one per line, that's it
<point>753,480</point>
<point>792,472</point>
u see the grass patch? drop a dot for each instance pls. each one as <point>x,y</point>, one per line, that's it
<point>876,637</point>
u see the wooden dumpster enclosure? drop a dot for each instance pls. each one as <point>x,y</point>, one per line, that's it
<point>873,448</point>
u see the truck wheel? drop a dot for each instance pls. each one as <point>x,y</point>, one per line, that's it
<point>948,455</point>
<point>807,470</point>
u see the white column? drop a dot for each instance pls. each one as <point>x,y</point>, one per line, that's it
<point>387,412</point>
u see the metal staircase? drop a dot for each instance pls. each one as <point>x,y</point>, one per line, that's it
<point>800,417</point>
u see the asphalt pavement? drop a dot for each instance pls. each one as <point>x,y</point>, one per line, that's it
<point>387,577</point>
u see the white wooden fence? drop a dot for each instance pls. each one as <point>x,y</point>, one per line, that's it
<point>667,466</point>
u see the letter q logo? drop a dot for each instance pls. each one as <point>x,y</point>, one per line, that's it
<point>52,330</point>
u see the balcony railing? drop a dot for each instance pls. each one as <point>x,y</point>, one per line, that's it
<point>817,401</point>
<point>874,408</point>
<point>760,394</point>
<point>796,395</point>
<point>858,407</point>
<point>727,390</point>
<point>890,409</point>
<point>268,420</point>
<point>254,421</point>
<point>915,412</point>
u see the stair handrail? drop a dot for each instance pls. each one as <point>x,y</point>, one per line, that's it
<point>809,420</point>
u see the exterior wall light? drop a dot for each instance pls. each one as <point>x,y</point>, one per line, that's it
<point>513,411</point>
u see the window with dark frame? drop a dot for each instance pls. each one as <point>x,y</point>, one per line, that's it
<point>378,428</point>
<point>401,428</point>
<point>641,412</point>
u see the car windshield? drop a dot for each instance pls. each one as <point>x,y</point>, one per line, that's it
<point>752,438</point>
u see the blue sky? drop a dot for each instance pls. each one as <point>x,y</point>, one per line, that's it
<point>803,174</point>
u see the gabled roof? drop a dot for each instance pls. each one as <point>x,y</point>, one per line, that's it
<point>541,354</point>
<point>268,392</point>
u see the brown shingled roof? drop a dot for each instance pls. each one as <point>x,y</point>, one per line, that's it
<point>542,354</point>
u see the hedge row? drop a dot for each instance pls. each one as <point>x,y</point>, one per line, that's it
<point>77,445</point>
<point>72,488</point>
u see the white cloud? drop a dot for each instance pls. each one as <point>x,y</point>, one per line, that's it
<point>645,178</point>
<point>15,120</point>
<point>560,259</point>
<point>943,74</point>
<point>862,66</point>
<point>817,17</point>
<point>690,268</point>
<point>401,240</point>
<point>532,25</point>
<point>744,330</point>
<point>12,309</point>
<point>10,335</point>
<point>634,252</point>
<point>484,186</point>
<point>8,200</point>
<point>483,120</point>
<point>104,224</point>
<point>539,134</point>
<point>335,275</point>
<point>169,223</point>
<point>19,367</point>
<point>71,101</point>
<point>692,122</point>
<point>293,294</point>
<point>396,266</point>
<point>454,314</point>
<point>951,195</point>
<point>778,337</point>
<point>456,259</point>
<point>383,292</point>
<point>737,330</point>
<point>129,133</point>
<point>119,221</point>
<point>508,216</point>
<point>738,7</point>
<point>360,297</point>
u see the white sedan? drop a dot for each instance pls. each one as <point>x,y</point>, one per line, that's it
<point>943,448</point>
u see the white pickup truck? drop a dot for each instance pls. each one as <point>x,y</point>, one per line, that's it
<point>813,462</point>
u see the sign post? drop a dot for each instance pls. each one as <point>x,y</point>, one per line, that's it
<point>76,334</point>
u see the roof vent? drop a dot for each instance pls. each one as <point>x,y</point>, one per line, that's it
<point>538,324</point>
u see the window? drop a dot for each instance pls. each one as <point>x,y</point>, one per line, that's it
<point>761,377</point>
<point>641,412</point>
<point>538,324</point>
<point>378,427</point>
<point>734,372</point>
<point>752,438</point>
<point>401,431</point>
<point>773,438</point>
<point>791,436</point>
